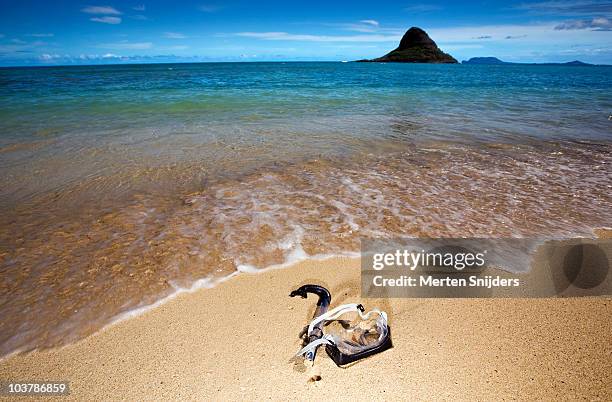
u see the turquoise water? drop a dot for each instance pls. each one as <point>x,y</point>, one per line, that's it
<point>203,114</point>
<point>553,96</point>
<point>544,101</point>
<point>123,184</point>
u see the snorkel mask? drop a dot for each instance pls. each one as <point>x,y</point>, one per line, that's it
<point>356,336</point>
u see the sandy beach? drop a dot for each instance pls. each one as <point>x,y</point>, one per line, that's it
<point>235,341</point>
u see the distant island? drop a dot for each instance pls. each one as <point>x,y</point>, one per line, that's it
<point>496,61</point>
<point>415,47</point>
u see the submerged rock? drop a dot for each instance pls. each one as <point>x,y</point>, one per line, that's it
<point>416,47</point>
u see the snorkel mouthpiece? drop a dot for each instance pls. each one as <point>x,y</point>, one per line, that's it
<point>322,306</point>
<point>324,295</point>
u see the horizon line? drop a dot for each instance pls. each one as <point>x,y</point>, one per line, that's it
<point>289,61</point>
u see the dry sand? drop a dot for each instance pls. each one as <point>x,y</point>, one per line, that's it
<point>235,341</point>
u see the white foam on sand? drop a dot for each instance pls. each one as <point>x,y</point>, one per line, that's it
<point>296,256</point>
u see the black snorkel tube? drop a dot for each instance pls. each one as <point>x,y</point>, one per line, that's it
<point>322,306</point>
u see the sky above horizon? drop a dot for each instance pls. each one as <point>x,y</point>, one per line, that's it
<point>91,32</point>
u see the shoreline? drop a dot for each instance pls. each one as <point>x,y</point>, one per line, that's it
<point>133,253</point>
<point>298,256</point>
<point>232,339</point>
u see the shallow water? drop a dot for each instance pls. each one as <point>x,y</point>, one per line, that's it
<point>121,184</point>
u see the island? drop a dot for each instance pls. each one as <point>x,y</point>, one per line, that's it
<point>415,47</point>
<point>496,61</point>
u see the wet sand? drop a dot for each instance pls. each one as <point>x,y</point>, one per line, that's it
<point>235,341</point>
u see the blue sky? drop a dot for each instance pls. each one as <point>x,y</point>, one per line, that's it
<point>101,31</point>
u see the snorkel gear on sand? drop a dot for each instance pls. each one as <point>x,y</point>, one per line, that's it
<point>365,335</point>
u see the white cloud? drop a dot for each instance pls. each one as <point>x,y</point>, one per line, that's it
<point>102,10</point>
<point>49,57</point>
<point>319,38</point>
<point>128,45</point>
<point>174,35</point>
<point>107,20</point>
<point>96,56</point>
<point>599,23</point>
<point>52,58</point>
<point>140,7</point>
<point>370,22</point>
<point>41,35</point>
<point>106,12</point>
<point>364,26</point>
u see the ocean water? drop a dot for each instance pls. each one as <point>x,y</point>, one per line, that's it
<point>122,184</point>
